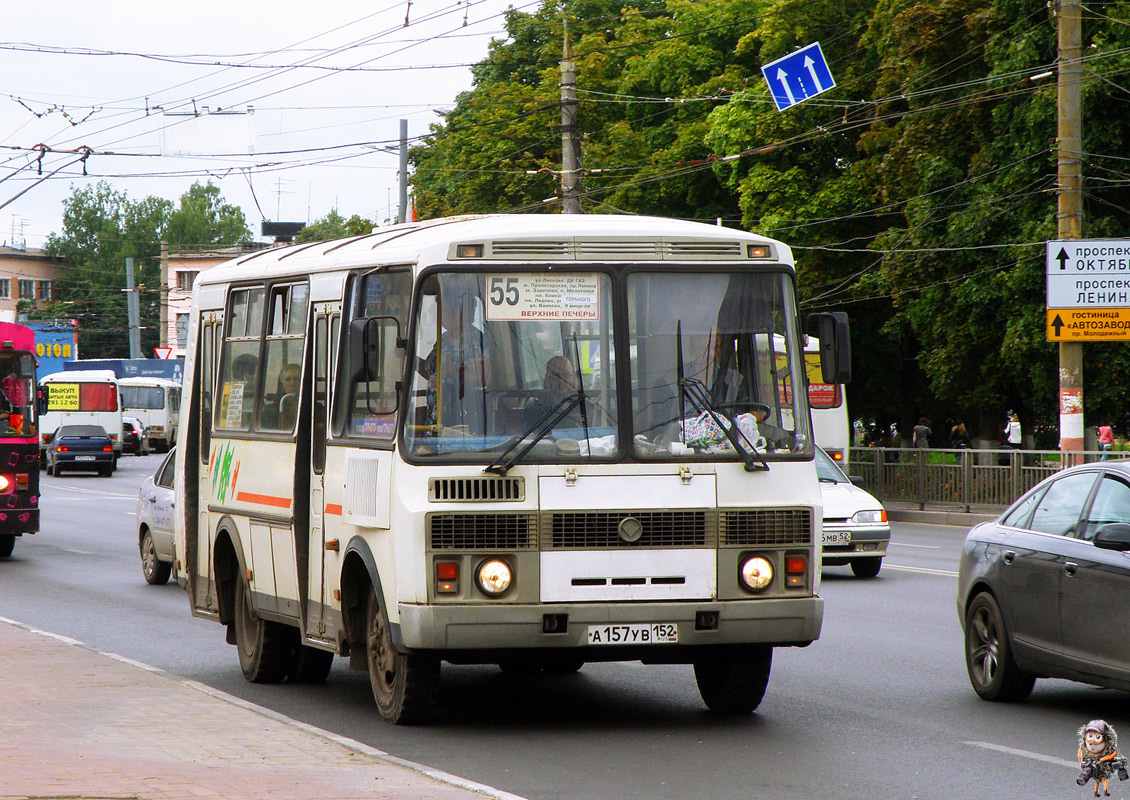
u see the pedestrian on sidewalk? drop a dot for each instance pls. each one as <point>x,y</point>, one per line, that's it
<point>1013,436</point>
<point>1106,441</point>
<point>959,437</point>
<point>920,434</point>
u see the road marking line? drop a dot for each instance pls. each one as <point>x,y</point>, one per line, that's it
<point>94,491</point>
<point>907,544</point>
<point>924,570</point>
<point>1012,751</point>
<point>76,552</point>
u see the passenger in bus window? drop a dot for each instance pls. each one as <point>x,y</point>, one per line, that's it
<point>288,395</point>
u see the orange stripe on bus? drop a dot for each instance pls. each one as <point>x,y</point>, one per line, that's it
<point>333,508</point>
<point>263,500</point>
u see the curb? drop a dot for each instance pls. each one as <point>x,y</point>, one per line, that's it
<point>960,519</point>
<point>351,744</point>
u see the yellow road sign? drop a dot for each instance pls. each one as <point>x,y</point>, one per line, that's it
<point>1088,324</point>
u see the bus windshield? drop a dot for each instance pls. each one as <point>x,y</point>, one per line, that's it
<point>713,351</point>
<point>497,352</point>
<point>17,379</point>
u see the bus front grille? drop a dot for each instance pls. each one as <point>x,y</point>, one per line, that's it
<point>486,489</point>
<point>766,526</point>
<point>482,531</point>
<point>603,529</point>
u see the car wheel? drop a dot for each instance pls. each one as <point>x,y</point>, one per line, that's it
<point>866,567</point>
<point>105,472</point>
<point>309,664</point>
<point>50,469</point>
<point>7,544</point>
<point>404,685</point>
<point>264,646</point>
<point>733,680</point>
<point>988,654</point>
<point>156,572</point>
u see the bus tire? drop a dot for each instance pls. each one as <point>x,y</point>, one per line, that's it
<point>7,544</point>
<point>309,664</point>
<point>733,679</point>
<point>404,685</point>
<point>264,647</point>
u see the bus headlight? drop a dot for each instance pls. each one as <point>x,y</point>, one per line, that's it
<point>494,577</point>
<point>756,573</point>
<point>5,484</point>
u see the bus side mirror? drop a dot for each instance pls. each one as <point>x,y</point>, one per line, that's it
<point>835,345</point>
<point>368,339</point>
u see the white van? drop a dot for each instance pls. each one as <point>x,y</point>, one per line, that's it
<point>80,397</point>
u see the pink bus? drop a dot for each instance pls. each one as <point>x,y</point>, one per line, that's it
<point>19,436</point>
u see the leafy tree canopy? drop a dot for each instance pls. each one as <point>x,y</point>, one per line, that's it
<point>334,226</point>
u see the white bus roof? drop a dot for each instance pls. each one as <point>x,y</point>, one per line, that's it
<point>512,238</point>
<point>145,380</point>
<point>81,376</point>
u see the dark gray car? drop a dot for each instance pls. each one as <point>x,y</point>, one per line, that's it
<point>1044,591</point>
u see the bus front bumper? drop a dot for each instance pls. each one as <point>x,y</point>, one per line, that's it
<point>793,621</point>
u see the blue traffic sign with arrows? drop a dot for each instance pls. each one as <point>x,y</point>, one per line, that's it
<point>798,76</point>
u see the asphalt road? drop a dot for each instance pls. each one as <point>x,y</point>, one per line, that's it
<point>879,707</point>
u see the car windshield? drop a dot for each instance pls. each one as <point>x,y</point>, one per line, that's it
<point>495,352</point>
<point>826,469</point>
<point>711,351</point>
<point>80,431</point>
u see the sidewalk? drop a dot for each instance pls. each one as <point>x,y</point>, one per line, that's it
<point>78,724</point>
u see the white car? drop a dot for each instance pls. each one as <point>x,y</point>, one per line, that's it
<point>856,530</point>
<point>155,504</point>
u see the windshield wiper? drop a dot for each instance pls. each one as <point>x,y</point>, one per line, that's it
<point>695,391</point>
<point>540,429</point>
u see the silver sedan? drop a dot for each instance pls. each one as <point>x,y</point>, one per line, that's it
<point>155,504</point>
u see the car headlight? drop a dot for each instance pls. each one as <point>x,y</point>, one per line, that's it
<point>494,577</point>
<point>756,573</point>
<point>877,515</point>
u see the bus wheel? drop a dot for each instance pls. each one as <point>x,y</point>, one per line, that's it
<point>7,544</point>
<point>733,681</point>
<point>264,647</point>
<point>404,685</point>
<point>309,664</point>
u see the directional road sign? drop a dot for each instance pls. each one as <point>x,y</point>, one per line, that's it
<point>1088,324</point>
<point>798,76</point>
<point>1088,273</point>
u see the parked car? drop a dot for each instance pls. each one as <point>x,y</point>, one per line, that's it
<point>1043,589</point>
<point>80,447</point>
<point>855,530</point>
<point>155,504</point>
<point>133,437</point>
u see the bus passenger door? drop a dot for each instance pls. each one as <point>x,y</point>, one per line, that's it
<point>317,601</point>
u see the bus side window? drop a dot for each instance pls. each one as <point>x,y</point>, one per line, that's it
<point>239,360</point>
<point>321,394</point>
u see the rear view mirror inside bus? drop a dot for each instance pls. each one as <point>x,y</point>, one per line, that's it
<point>368,340</point>
<point>835,345</point>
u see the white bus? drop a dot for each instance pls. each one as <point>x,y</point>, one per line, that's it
<point>830,423</point>
<point>393,450</point>
<point>80,397</point>
<point>155,402</point>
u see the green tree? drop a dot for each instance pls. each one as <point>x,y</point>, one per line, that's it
<point>102,227</point>
<point>334,226</point>
<point>204,219</point>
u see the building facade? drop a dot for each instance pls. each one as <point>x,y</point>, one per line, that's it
<point>28,275</point>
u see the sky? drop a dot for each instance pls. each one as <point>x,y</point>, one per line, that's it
<point>140,82</point>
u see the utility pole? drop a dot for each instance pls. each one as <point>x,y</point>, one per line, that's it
<point>570,152</point>
<point>1069,216</point>
<point>402,211</point>
<point>163,294</point>
<point>134,313</point>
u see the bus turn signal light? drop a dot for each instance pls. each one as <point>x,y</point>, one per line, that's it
<point>447,577</point>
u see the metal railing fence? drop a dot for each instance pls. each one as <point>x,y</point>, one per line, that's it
<point>957,478</point>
